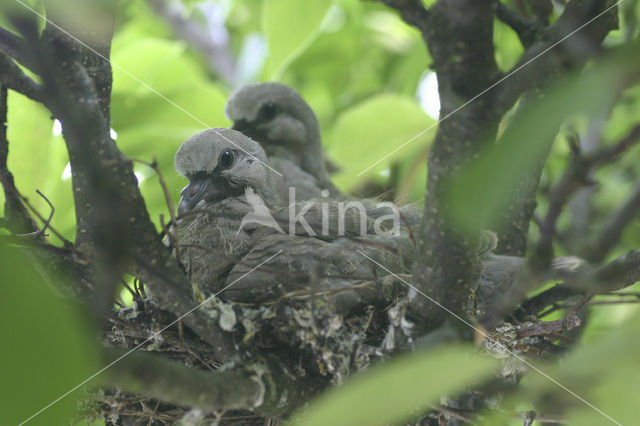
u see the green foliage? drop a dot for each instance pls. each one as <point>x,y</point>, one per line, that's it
<point>47,349</point>
<point>402,387</point>
<point>385,122</point>
<point>290,25</point>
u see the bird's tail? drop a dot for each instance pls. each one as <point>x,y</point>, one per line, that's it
<point>567,263</point>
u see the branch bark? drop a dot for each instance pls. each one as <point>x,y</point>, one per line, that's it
<point>14,46</point>
<point>459,34</point>
<point>14,78</point>
<point>172,382</point>
<point>265,386</point>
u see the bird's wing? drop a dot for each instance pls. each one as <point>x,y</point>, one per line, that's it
<point>298,265</point>
<point>306,185</point>
<point>209,245</point>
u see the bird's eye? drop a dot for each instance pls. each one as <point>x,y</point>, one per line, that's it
<point>226,159</point>
<point>268,111</point>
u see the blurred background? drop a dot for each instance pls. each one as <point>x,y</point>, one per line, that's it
<point>363,71</point>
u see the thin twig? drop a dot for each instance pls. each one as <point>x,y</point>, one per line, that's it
<point>47,223</point>
<point>574,177</point>
<point>67,243</point>
<point>165,190</point>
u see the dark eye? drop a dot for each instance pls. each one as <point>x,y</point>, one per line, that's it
<point>268,111</point>
<point>226,159</point>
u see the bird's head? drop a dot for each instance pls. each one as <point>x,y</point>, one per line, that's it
<point>276,116</point>
<point>273,114</point>
<point>221,163</point>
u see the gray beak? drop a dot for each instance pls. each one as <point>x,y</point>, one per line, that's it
<point>197,190</point>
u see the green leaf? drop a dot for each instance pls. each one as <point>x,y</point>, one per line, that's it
<point>369,132</point>
<point>152,63</point>
<point>46,347</point>
<point>290,27</point>
<point>399,388</point>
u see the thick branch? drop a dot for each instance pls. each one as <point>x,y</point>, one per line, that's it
<point>175,383</point>
<point>459,34</point>
<point>265,386</point>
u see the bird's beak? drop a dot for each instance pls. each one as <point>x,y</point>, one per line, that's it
<point>197,190</point>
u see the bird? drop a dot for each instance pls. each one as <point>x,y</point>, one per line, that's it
<point>500,274</point>
<point>276,116</point>
<point>227,241</point>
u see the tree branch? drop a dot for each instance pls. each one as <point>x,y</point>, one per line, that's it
<point>14,78</point>
<point>525,28</point>
<point>412,12</point>
<point>169,381</point>
<point>459,34</point>
<point>574,177</point>
<point>620,273</point>
<point>564,46</point>
<point>15,47</point>
<point>265,386</point>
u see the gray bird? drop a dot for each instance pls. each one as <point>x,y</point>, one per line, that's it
<point>286,127</point>
<point>500,273</point>
<point>221,235</point>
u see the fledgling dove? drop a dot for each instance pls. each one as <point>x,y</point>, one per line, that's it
<point>235,229</point>
<point>276,116</point>
<point>286,127</point>
<point>500,272</point>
